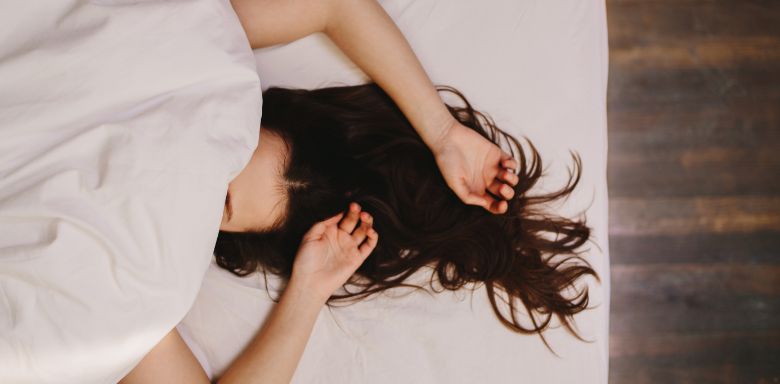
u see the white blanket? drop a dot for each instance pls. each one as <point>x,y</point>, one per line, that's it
<point>121,123</point>
<point>540,69</point>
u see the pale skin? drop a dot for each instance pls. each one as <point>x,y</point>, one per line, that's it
<point>333,249</point>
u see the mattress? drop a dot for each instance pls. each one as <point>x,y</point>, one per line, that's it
<point>539,68</point>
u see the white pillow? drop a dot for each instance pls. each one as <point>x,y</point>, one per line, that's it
<point>121,124</point>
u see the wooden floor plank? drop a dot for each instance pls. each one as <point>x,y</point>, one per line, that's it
<point>682,20</point>
<point>753,247</point>
<point>694,215</point>
<point>701,124</point>
<point>694,298</point>
<point>715,171</point>
<point>733,357</point>
<point>699,348</point>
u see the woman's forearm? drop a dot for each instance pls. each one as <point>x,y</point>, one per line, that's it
<point>271,357</point>
<point>273,354</point>
<point>370,38</point>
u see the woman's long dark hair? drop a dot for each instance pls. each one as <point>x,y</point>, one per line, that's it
<point>354,144</point>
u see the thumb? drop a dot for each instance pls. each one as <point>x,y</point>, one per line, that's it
<point>319,228</point>
<point>465,193</point>
<point>474,199</point>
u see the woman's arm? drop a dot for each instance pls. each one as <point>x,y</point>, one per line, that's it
<point>275,351</point>
<point>471,164</point>
<point>270,358</point>
<point>170,361</point>
<point>368,36</point>
<point>329,254</point>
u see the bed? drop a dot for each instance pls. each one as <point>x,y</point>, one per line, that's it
<point>539,69</point>
<point>122,121</point>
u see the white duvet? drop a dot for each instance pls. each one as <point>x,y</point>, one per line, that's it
<point>121,123</point>
<point>540,69</point>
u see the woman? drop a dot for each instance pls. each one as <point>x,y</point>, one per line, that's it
<point>477,171</point>
<point>335,145</point>
<point>325,148</point>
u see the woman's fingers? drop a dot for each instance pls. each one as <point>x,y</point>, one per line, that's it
<point>372,237</point>
<point>349,223</point>
<point>318,229</point>
<point>333,219</point>
<point>351,219</point>
<point>508,177</point>
<point>472,198</point>
<point>499,206</point>
<point>509,163</point>
<point>366,222</point>
<point>501,189</point>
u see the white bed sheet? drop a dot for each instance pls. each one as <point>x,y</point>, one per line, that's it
<point>121,124</point>
<point>540,69</point>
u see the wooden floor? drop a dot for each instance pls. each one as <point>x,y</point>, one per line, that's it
<point>694,178</point>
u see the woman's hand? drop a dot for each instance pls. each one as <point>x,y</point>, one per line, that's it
<point>332,251</point>
<point>474,166</point>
